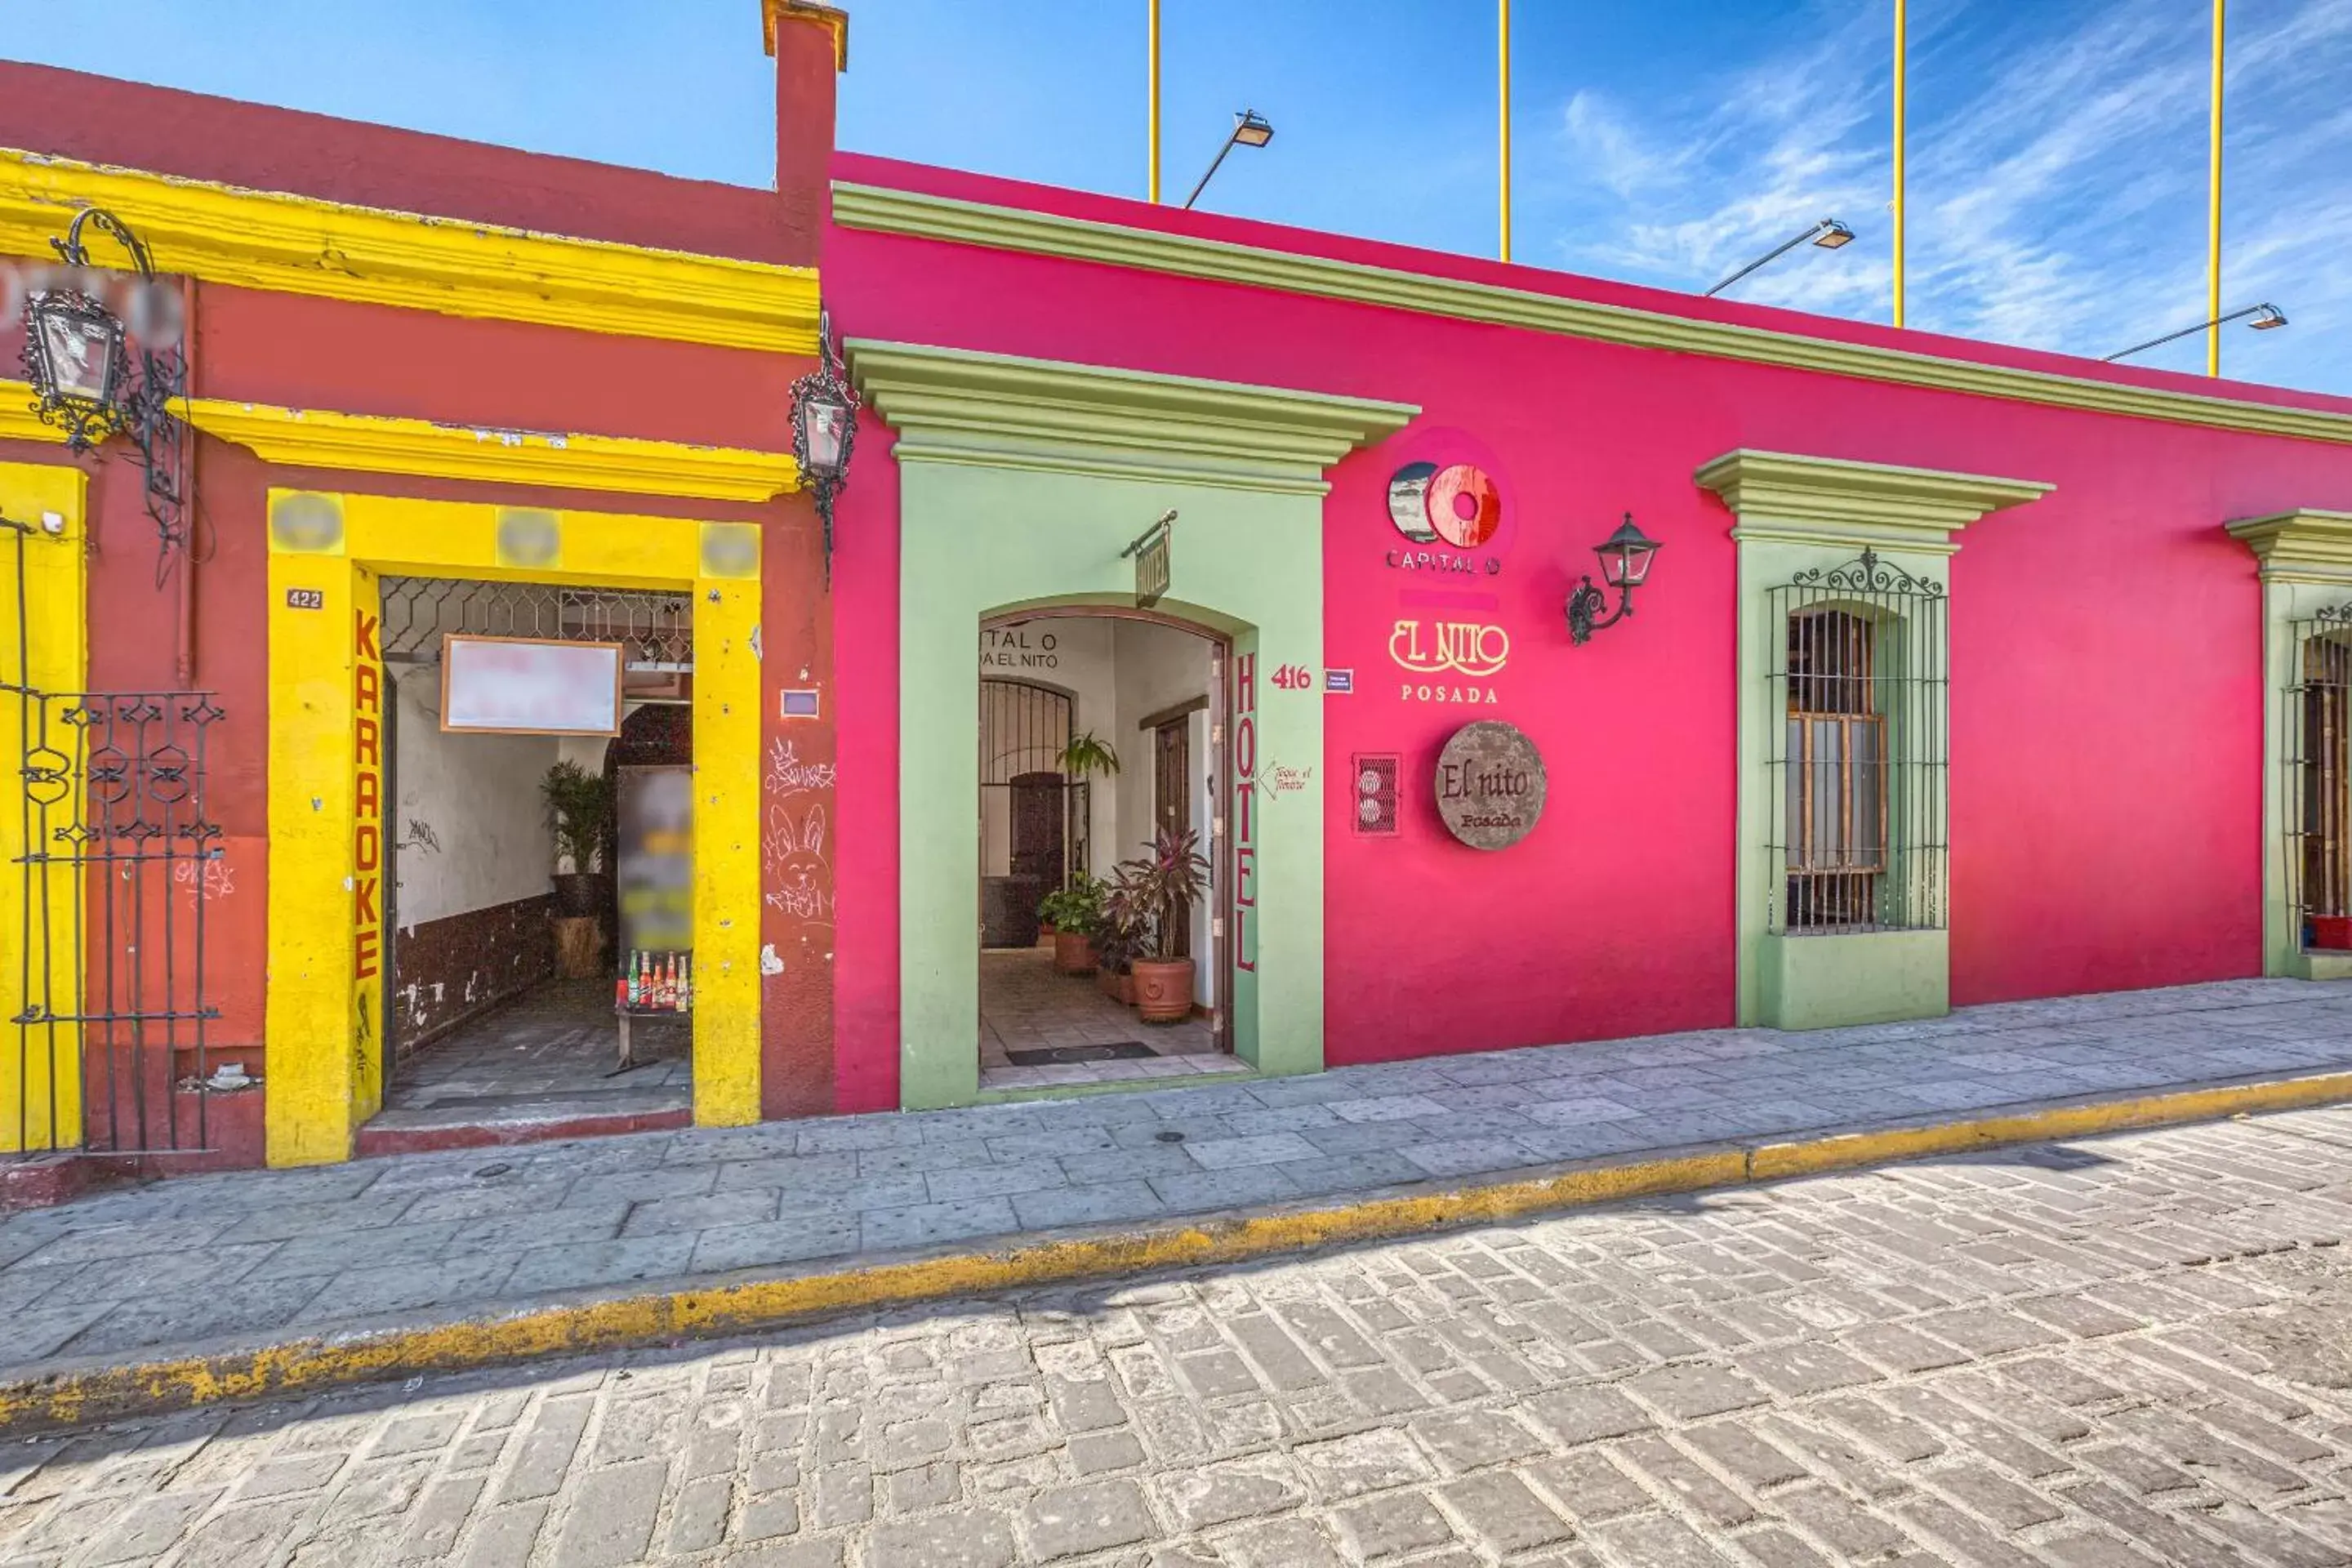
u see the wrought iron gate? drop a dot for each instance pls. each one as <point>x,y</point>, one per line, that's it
<point>112,852</point>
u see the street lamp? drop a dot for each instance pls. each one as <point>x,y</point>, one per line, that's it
<point>2265,317</point>
<point>825,428</point>
<point>1625,557</point>
<point>1251,129</point>
<point>1829,234</point>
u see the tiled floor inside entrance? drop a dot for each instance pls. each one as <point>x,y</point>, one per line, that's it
<point>1026,1005</point>
<point>549,1056</point>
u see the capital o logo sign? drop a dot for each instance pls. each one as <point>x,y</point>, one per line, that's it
<point>1458,504</point>
<point>1490,784</point>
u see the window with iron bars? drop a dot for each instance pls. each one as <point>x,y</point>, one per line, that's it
<point>2319,778</point>
<point>1859,757</point>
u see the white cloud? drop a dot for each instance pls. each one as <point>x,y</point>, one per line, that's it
<point>2056,180</point>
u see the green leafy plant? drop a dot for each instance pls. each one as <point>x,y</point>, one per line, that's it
<point>1076,909</point>
<point>580,811</point>
<point>1086,754</point>
<point>1150,893</point>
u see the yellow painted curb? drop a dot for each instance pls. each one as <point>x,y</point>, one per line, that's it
<point>76,1396</point>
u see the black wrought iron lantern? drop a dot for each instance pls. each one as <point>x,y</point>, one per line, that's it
<point>824,429</point>
<point>74,357</point>
<point>1625,557</point>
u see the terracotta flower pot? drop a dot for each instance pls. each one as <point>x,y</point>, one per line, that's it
<point>1074,953</point>
<point>2332,933</point>
<point>1163,989</point>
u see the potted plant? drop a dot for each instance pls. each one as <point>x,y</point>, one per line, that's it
<point>1118,940</point>
<point>1155,892</point>
<point>1085,755</point>
<point>1075,913</point>
<point>580,812</point>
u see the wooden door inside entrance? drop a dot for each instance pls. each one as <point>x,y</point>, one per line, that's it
<point>1172,801</point>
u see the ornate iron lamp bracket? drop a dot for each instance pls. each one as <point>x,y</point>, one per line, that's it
<point>137,404</point>
<point>825,387</point>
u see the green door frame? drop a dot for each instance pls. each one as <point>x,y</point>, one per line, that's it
<point>1020,483</point>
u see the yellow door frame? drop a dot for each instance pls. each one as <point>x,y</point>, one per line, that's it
<point>40,1087</point>
<point>326,552</point>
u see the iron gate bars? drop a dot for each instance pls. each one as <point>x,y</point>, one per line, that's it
<point>1858,747</point>
<point>2319,782</point>
<point>656,630</point>
<point>1024,730</point>
<point>117,863</point>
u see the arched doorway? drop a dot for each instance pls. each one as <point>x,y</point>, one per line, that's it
<point>1100,737</point>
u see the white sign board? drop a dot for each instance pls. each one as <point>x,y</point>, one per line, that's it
<point>514,686</point>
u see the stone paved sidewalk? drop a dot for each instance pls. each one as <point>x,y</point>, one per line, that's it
<point>2121,1352</point>
<point>248,1254</point>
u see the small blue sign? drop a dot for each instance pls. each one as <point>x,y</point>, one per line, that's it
<point>1340,681</point>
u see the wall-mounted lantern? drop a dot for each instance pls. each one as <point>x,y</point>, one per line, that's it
<point>75,351</point>
<point>78,355</point>
<point>1624,564</point>
<point>825,428</point>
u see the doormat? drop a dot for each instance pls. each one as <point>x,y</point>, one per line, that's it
<point>1053,1055</point>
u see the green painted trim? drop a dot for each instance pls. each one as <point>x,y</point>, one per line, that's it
<point>2289,543</point>
<point>2306,566</point>
<point>1020,483</point>
<point>886,211</point>
<point>1796,514</point>
<point>954,405</point>
<point>1828,981</point>
<point>1840,504</point>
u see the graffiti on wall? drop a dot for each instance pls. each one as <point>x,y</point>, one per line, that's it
<point>796,874</point>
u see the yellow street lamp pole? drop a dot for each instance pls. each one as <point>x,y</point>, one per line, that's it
<point>1900,28</point>
<point>2213,212</point>
<point>1503,68</point>
<point>1154,95</point>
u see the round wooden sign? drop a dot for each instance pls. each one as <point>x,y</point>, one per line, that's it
<point>1490,784</point>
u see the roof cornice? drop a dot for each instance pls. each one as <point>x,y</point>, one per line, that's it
<point>300,245</point>
<point>886,211</point>
<point>955,405</point>
<point>1831,500</point>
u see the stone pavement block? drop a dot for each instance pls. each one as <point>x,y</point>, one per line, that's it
<point>1779,1549</point>
<point>1588,1415</point>
<point>398,1288</point>
<point>504,1538</point>
<point>1676,1476</point>
<point>1474,1440</point>
<point>1375,1460</point>
<point>1802,1368</point>
<point>1502,1512</point>
<point>1104,1203</point>
<point>1249,1488</point>
<point>547,1450</point>
<point>929,1225</point>
<point>1282,1544</point>
<point>965,1540</point>
<point>794,1239</point>
<point>549,1268</point>
<point>1655,1541</point>
<point>1690,1392</point>
<point>748,1205</point>
<point>698,1520</point>
<point>1259,1148</point>
<point>1092,1516</point>
<point>1244,1188</point>
<point>1392,1526</point>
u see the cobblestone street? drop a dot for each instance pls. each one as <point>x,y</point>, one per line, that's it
<point>2137,1350</point>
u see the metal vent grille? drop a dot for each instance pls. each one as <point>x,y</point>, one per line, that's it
<point>1376,774</point>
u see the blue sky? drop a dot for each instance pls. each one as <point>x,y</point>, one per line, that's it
<point>2057,146</point>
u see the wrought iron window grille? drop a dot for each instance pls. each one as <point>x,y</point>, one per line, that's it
<point>656,630</point>
<point>119,862</point>
<point>1857,751</point>
<point>2318,779</point>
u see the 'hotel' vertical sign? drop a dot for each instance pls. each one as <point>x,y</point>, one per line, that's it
<point>1245,812</point>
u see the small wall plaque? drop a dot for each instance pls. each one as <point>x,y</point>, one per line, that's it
<point>306,598</point>
<point>1490,784</point>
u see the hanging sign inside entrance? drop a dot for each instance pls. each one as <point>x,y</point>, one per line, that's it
<point>1151,553</point>
<point>1490,784</point>
<point>517,686</point>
